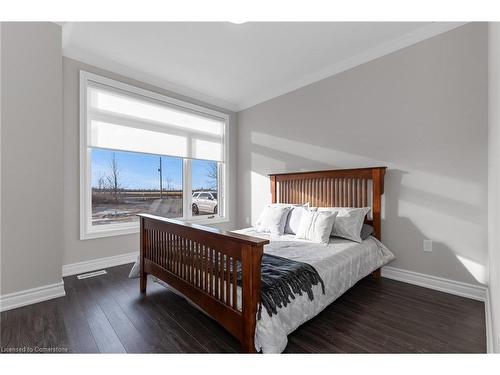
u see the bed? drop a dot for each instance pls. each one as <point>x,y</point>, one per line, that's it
<point>220,272</point>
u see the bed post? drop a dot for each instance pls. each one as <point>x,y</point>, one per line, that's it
<point>251,257</point>
<point>378,190</point>
<point>378,181</point>
<point>142,273</point>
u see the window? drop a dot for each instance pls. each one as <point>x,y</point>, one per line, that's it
<point>142,152</point>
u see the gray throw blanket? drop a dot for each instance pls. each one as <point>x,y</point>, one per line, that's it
<point>281,279</point>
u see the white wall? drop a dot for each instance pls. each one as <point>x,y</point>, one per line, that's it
<point>31,155</point>
<point>494,179</point>
<point>421,111</point>
<point>76,250</point>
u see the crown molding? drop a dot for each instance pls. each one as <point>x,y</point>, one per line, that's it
<point>370,54</point>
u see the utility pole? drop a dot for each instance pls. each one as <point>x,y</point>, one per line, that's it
<point>161,180</point>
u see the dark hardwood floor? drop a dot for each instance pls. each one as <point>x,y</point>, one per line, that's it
<point>108,314</point>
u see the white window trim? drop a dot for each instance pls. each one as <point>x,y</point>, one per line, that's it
<point>86,230</point>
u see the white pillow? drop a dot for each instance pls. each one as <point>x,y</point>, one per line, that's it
<point>273,219</point>
<point>349,221</point>
<point>316,226</point>
<point>293,220</point>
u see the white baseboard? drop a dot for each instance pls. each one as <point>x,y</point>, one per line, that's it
<point>97,264</point>
<point>30,296</point>
<point>458,288</point>
<point>44,293</point>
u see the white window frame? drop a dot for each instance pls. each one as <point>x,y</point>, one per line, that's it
<point>87,231</point>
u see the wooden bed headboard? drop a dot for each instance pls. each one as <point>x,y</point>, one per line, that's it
<point>360,187</point>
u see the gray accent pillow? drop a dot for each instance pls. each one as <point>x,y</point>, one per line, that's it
<point>366,231</point>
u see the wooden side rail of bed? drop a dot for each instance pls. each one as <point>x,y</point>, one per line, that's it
<point>201,263</point>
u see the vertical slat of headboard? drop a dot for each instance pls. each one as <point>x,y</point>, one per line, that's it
<point>365,192</point>
<point>341,192</point>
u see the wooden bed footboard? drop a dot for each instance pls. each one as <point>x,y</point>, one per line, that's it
<point>201,263</point>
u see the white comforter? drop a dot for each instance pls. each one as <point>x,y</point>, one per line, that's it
<point>340,264</point>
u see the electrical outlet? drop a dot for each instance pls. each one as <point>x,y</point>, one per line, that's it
<point>247,220</point>
<point>428,246</point>
<point>498,342</point>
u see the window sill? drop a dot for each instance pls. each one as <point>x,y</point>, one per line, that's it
<point>111,232</point>
<point>126,230</point>
<point>208,221</point>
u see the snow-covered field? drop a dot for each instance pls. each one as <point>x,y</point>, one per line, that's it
<point>126,211</point>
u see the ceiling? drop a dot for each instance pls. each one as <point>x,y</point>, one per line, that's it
<point>236,66</point>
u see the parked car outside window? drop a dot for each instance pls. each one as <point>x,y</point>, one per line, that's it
<point>204,203</point>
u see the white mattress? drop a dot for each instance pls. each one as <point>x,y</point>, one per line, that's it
<point>341,264</point>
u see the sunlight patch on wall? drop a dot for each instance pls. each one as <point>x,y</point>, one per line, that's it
<point>478,271</point>
<point>260,195</point>
<point>450,188</point>
<point>259,182</point>
<point>310,152</point>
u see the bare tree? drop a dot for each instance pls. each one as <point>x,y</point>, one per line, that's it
<point>101,183</point>
<point>212,174</point>
<point>114,183</point>
<point>169,183</point>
